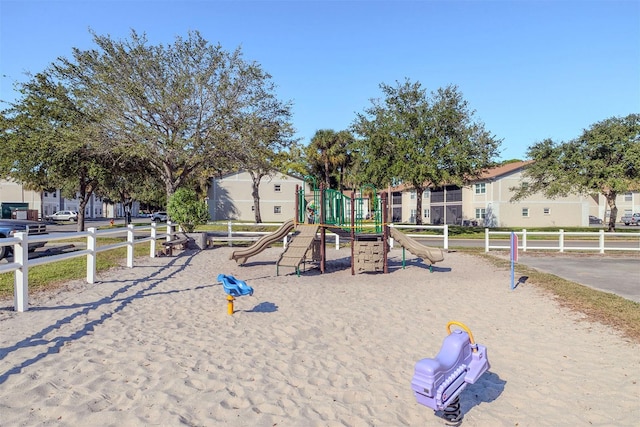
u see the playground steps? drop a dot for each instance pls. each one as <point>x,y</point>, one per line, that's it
<point>298,246</point>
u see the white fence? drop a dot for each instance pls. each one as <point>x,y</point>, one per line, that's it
<point>597,241</point>
<point>21,262</point>
<point>587,241</point>
<point>239,236</point>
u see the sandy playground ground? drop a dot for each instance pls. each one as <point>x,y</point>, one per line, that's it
<point>154,345</point>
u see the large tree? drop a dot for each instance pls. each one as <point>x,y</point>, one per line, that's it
<point>605,159</point>
<point>267,136</point>
<point>50,139</point>
<point>171,105</point>
<point>421,140</point>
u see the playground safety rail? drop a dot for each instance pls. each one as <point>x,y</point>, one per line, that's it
<point>21,262</point>
<point>591,241</point>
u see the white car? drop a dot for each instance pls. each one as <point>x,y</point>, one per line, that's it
<point>63,216</point>
<point>159,217</point>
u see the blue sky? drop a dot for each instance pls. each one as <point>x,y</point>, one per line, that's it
<point>530,69</point>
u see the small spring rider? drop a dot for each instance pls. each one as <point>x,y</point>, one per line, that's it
<point>233,288</point>
<point>437,383</point>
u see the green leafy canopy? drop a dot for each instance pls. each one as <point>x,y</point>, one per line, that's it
<point>185,209</point>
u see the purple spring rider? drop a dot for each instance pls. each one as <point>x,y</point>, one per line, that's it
<point>437,383</point>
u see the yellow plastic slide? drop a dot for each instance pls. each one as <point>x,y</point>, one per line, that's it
<point>425,252</point>
<point>241,255</point>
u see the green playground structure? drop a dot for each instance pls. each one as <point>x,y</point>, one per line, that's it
<point>361,220</point>
<point>333,208</point>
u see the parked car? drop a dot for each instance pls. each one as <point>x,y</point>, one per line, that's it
<point>159,216</point>
<point>8,227</point>
<point>631,219</point>
<point>63,216</point>
<point>594,220</point>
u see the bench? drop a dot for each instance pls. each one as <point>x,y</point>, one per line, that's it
<point>181,240</point>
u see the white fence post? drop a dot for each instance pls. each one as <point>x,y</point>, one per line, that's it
<point>561,240</point>
<point>486,240</point>
<point>169,231</point>
<point>230,233</point>
<point>524,240</point>
<point>21,285</point>
<point>446,237</point>
<point>601,241</point>
<point>91,256</point>
<point>337,242</point>
<point>152,245</point>
<point>130,245</point>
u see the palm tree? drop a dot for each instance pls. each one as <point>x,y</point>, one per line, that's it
<point>329,150</point>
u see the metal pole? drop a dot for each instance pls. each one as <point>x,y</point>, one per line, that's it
<point>353,232</point>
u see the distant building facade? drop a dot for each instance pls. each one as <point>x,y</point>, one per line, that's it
<point>230,197</point>
<point>14,195</point>
<point>487,202</point>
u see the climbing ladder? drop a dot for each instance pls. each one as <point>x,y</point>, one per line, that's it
<point>297,248</point>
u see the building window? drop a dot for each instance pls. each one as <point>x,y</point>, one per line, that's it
<point>481,213</point>
<point>480,188</point>
<point>46,194</point>
<point>253,208</point>
<point>276,188</point>
<point>628,197</point>
<point>412,194</point>
<point>426,213</point>
<point>53,194</point>
<point>277,209</point>
<point>525,212</point>
<point>546,211</point>
<point>426,193</point>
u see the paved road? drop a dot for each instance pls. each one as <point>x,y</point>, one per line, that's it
<point>610,273</point>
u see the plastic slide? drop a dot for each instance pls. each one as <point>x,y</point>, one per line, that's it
<point>425,252</point>
<point>234,287</point>
<point>241,255</point>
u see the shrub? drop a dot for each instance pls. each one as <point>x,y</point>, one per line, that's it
<point>185,209</point>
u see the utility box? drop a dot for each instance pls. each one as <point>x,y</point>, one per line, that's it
<point>28,214</point>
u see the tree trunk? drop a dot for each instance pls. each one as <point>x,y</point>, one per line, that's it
<point>419,193</point>
<point>613,215</point>
<point>326,174</point>
<point>86,190</point>
<point>255,192</point>
<point>81,209</point>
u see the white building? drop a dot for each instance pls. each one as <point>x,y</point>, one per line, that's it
<point>14,195</point>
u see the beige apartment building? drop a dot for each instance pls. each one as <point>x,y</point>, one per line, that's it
<point>230,197</point>
<point>487,201</point>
